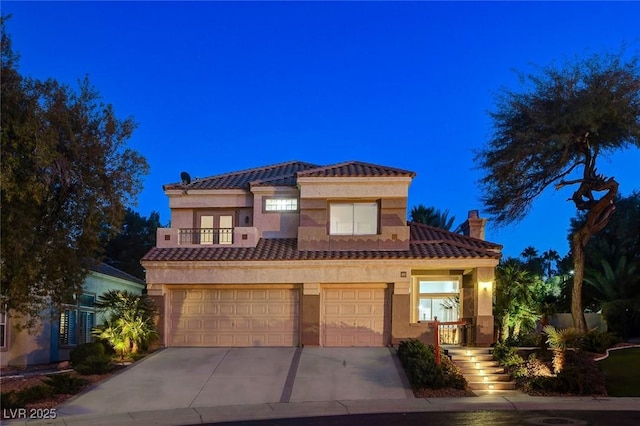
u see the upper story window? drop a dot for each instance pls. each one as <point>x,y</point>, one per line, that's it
<point>281,204</point>
<point>353,218</point>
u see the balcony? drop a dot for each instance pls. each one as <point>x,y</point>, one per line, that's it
<point>205,236</point>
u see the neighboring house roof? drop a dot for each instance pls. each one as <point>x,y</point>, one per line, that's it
<point>286,174</point>
<point>109,270</point>
<point>426,243</point>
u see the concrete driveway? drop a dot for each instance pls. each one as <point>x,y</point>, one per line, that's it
<point>208,377</point>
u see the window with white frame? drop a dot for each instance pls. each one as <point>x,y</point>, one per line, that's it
<point>3,330</point>
<point>436,298</point>
<point>353,218</point>
<point>281,204</point>
<point>77,321</point>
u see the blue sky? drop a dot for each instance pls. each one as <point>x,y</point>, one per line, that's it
<point>219,87</point>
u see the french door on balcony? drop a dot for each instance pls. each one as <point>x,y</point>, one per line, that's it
<point>216,229</point>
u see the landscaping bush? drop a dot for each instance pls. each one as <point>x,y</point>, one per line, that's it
<point>95,364</point>
<point>419,362</point>
<point>598,342</point>
<point>623,317</point>
<point>581,375</point>
<point>412,348</point>
<point>507,355</point>
<point>79,354</point>
<point>34,393</point>
<point>65,383</point>
<point>532,340</point>
<point>8,400</point>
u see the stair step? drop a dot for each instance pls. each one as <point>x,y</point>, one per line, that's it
<point>498,392</point>
<point>492,385</point>
<point>476,365</point>
<point>472,358</point>
<point>490,378</point>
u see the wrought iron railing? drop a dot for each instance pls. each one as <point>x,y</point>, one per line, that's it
<point>450,334</point>
<point>206,236</point>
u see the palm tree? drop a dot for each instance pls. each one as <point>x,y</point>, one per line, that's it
<point>516,305</point>
<point>614,277</point>
<point>432,216</point>
<point>548,258</point>
<point>561,340</point>
<point>131,320</point>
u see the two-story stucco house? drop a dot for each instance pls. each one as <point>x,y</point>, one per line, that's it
<point>299,254</point>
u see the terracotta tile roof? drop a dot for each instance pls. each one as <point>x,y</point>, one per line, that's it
<point>285,174</point>
<point>354,169</point>
<point>281,174</point>
<point>433,243</point>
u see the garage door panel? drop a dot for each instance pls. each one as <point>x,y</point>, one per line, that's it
<point>354,317</point>
<point>234,317</point>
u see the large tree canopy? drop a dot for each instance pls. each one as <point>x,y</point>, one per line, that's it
<point>136,237</point>
<point>551,133</point>
<point>66,175</point>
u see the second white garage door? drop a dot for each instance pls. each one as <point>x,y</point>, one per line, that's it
<point>233,317</point>
<point>354,317</point>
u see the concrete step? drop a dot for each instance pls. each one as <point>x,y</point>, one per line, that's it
<point>472,358</point>
<point>487,378</point>
<point>484,374</point>
<point>476,365</point>
<point>511,385</point>
<point>481,371</point>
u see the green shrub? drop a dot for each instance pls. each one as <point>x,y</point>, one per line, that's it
<point>580,376</point>
<point>419,361</point>
<point>598,342</point>
<point>80,353</point>
<point>8,400</point>
<point>623,316</point>
<point>32,394</point>
<point>506,355</point>
<point>96,364</point>
<point>413,348</point>
<point>532,340</point>
<point>65,383</point>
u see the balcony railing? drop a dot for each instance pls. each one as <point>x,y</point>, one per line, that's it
<point>206,236</point>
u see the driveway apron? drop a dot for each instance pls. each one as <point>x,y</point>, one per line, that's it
<point>208,377</point>
<point>329,374</point>
<point>189,377</point>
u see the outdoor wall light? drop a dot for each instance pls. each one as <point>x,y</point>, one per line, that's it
<point>485,285</point>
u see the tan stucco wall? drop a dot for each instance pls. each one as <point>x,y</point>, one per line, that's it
<point>354,187</point>
<point>319,274</point>
<point>273,224</point>
<point>209,199</point>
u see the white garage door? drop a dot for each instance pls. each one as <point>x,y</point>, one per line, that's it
<point>354,317</point>
<point>233,317</point>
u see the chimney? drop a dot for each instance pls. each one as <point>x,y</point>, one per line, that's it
<point>474,225</point>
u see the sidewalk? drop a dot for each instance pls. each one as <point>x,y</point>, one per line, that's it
<point>198,415</point>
